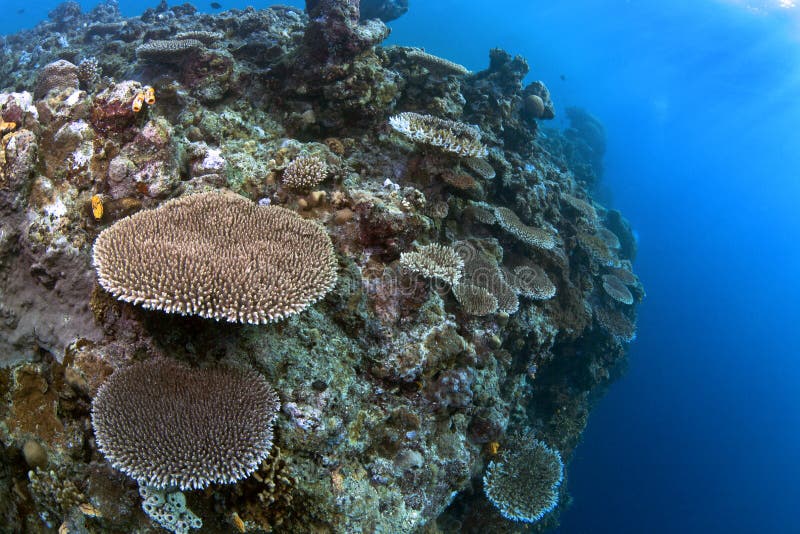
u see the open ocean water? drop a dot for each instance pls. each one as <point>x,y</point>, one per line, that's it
<point>700,100</point>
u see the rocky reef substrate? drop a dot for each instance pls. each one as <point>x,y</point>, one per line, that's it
<point>483,299</point>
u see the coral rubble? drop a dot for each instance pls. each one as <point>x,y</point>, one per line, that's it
<point>386,240</point>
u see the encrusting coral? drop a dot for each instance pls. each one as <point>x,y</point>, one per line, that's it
<point>167,425</point>
<point>219,256</point>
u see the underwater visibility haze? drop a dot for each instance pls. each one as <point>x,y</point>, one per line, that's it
<point>400,266</point>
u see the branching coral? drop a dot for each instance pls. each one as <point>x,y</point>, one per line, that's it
<point>305,173</point>
<point>166,424</point>
<point>450,136</point>
<point>217,255</point>
<point>434,261</point>
<point>523,481</point>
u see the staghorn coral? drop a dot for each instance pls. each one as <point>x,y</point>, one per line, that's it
<point>168,51</point>
<point>165,424</point>
<point>450,136</point>
<point>524,480</point>
<point>217,255</point>
<point>535,237</point>
<point>615,289</point>
<point>305,173</point>
<point>59,74</point>
<point>434,261</point>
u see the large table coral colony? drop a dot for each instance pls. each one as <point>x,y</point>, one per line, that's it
<point>259,273</point>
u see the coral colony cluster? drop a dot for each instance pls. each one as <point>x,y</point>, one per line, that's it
<point>260,273</point>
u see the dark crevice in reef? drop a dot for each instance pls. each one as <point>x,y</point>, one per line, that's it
<point>484,299</point>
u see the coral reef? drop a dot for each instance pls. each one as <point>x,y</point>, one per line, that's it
<point>378,234</point>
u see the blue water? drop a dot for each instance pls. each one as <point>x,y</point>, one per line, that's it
<point>699,100</point>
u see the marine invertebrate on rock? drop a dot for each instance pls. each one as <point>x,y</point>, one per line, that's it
<point>613,321</point>
<point>138,102</point>
<point>451,136</point>
<point>481,167</point>
<point>531,281</point>
<point>481,212</point>
<point>475,300</point>
<point>434,261</point>
<point>167,51</point>
<point>205,37</point>
<point>512,224</point>
<point>305,173</point>
<point>7,126</point>
<point>97,207</point>
<point>59,74</point>
<point>89,71</point>
<point>436,63</point>
<point>481,270</point>
<point>167,425</point>
<point>168,509</point>
<point>523,481</point>
<point>609,238</point>
<point>149,95</point>
<point>583,207</point>
<point>615,289</point>
<point>462,182</point>
<point>217,255</point>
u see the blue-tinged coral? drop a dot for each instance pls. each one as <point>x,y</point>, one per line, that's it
<point>524,481</point>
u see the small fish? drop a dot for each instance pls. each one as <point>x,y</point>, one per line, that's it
<point>216,5</point>
<point>20,11</point>
<point>563,77</point>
